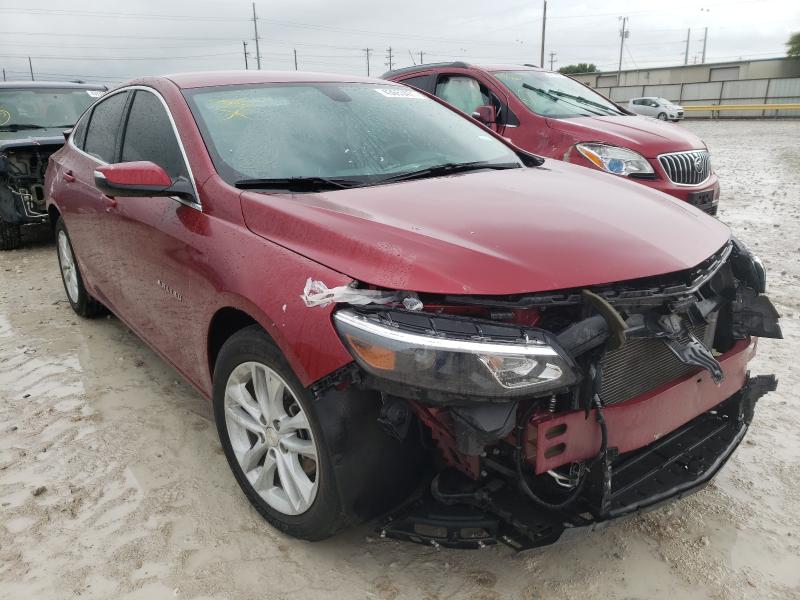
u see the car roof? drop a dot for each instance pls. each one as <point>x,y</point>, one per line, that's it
<point>459,65</point>
<point>32,85</point>
<point>218,78</point>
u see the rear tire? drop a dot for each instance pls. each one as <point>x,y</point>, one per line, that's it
<point>358,471</point>
<point>79,299</point>
<point>10,236</point>
<point>662,116</point>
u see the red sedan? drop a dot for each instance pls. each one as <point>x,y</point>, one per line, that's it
<point>386,301</point>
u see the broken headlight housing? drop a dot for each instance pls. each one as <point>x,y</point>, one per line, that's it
<point>455,356</point>
<point>612,159</point>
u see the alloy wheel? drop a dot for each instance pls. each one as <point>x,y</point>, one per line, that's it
<point>271,438</point>
<point>69,269</point>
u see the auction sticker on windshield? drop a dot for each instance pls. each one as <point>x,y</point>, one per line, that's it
<point>398,92</point>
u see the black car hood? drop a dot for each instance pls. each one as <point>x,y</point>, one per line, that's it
<point>53,136</point>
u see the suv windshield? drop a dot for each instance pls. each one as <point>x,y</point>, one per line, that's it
<point>41,108</point>
<point>553,95</point>
<point>337,135</point>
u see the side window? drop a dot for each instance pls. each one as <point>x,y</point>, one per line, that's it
<point>79,132</point>
<point>149,135</point>
<point>465,93</point>
<point>639,101</point>
<point>426,83</point>
<point>103,131</point>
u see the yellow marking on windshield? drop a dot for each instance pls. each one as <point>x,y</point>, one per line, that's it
<point>5,116</point>
<point>233,108</point>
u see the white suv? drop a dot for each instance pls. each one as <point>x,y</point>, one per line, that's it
<point>660,108</point>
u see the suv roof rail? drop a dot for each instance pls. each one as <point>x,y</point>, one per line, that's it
<point>457,64</point>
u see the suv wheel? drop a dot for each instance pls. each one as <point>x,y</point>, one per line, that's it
<point>309,465</point>
<point>79,299</point>
<point>10,238</point>
<point>662,116</point>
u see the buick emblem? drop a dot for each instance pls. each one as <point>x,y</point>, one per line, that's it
<point>698,164</point>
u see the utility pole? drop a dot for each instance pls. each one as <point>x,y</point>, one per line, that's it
<point>255,31</point>
<point>705,40</point>
<point>552,59</point>
<point>623,33</point>
<point>389,62</point>
<point>544,22</point>
<point>686,54</point>
<point>413,60</point>
<point>367,51</point>
<point>30,66</point>
<point>421,53</point>
<point>295,59</point>
<point>244,49</point>
<point>4,74</point>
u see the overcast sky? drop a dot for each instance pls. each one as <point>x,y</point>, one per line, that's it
<point>115,40</point>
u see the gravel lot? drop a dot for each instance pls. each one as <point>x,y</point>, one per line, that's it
<point>113,484</point>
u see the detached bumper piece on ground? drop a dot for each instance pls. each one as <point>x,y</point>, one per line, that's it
<point>642,393</point>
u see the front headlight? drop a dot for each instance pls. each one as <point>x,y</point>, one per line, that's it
<point>612,159</point>
<point>455,355</point>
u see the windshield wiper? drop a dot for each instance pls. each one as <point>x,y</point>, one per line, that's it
<point>545,93</point>
<point>583,100</point>
<point>448,169</point>
<point>297,184</point>
<point>18,126</point>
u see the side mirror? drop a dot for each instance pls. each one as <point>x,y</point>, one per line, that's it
<point>485,114</point>
<point>140,178</point>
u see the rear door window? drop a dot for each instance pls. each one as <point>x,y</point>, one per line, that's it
<point>426,83</point>
<point>104,126</point>
<point>149,135</point>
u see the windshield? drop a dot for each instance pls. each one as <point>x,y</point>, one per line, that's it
<point>356,132</point>
<point>553,95</point>
<point>41,108</point>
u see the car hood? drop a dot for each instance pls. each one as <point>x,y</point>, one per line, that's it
<point>492,232</point>
<point>32,137</point>
<point>649,137</point>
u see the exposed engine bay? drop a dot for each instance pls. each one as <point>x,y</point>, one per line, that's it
<point>22,170</point>
<point>546,412</point>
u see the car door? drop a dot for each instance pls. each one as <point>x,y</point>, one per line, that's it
<point>85,209</point>
<point>156,238</point>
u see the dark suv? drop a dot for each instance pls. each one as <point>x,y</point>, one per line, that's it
<point>33,117</point>
<point>555,116</point>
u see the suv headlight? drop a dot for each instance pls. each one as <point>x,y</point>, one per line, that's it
<point>454,355</point>
<point>612,159</point>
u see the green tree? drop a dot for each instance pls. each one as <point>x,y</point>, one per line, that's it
<point>793,46</point>
<point>579,68</point>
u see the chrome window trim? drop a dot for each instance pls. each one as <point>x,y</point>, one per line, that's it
<point>688,185</point>
<point>196,205</point>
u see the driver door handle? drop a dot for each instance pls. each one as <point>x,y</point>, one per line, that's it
<point>68,176</point>
<point>111,203</point>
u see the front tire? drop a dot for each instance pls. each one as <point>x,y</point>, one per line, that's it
<point>79,299</point>
<point>662,116</point>
<point>309,465</point>
<point>10,236</point>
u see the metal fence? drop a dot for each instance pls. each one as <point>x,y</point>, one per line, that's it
<point>735,91</point>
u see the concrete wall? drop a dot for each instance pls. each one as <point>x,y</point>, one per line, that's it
<point>751,69</point>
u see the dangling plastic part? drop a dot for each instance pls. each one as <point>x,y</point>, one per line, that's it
<point>316,293</point>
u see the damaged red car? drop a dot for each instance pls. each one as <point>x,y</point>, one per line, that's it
<point>399,315</point>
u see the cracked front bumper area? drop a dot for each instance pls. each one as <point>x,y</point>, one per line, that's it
<point>680,463</point>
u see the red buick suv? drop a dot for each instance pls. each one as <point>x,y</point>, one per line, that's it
<point>396,313</point>
<point>553,115</point>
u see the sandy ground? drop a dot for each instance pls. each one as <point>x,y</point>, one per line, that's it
<point>113,483</point>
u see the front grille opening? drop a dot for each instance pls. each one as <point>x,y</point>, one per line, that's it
<point>687,168</point>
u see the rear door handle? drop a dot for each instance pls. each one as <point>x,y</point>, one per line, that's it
<point>68,176</point>
<point>111,203</point>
